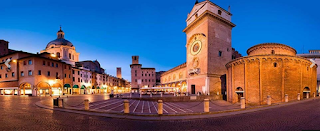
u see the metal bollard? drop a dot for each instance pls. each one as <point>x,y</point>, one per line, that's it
<point>126,106</point>
<point>160,107</point>
<point>269,100</point>
<point>243,103</point>
<point>206,105</point>
<point>161,94</point>
<point>286,98</point>
<point>86,104</point>
<point>60,104</point>
<point>150,94</point>
<point>298,97</point>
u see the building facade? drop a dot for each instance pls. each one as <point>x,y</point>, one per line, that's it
<point>55,71</point>
<point>270,69</point>
<point>141,77</point>
<point>208,48</point>
<point>315,56</point>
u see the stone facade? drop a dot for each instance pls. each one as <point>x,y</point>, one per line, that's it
<point>270,69</point>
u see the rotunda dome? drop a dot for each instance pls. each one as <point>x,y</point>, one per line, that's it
<point>60,40</point>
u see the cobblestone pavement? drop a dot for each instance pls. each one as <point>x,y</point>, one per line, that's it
<point>20,113</point>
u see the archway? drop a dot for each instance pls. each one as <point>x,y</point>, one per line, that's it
<point>306,92</point>
<point>25,89</point>
<point>67,89</point>
<point>83,89</point>
<point>44,89</point>
<point>184,86</point>
<point>56,89</point>
<point>239,92</point>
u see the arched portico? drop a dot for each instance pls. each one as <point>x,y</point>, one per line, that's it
<point>43,89</point>
<point>25,89</point>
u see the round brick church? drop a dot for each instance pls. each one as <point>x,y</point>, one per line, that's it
<point>270,69</point>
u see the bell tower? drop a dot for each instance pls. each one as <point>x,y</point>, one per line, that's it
<point>208,48</point>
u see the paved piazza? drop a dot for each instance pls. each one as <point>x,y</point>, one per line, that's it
<point>21,113</point>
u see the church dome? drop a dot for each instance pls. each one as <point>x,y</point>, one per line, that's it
<point>60,40</point>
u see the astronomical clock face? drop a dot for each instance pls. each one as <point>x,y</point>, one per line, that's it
<point>196,47</point>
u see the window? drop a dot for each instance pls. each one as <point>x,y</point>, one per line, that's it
<point>24,63</point>
<point>6,75</point>
<point>142,74</point>
<point>72,71</point>
<point>0,76</point>
<point>219,12</point>
<point>135,74</point>
<point>44,63</point>
<point>78,72</point>
<point>81,75</point>
<point>39,72</point>
<point>22,74</point>
<point>1,67</point>
<point>12,74</point>
<point>52,64</point>
<point>275,64</point>
<point>149,74</point>
<point>73,79</point>
<point>30,62</point>
<point>57,65</point>
<point>272,52</point>
<point>69,76</point>
<point>65,75</point>
<point>220,53</point>
<point>69,56</point>
<point>69,67</point>
<point>29,72</point>
<point>135,71</point>
<point>149,80</point>
<point>135,80</point>
<point>142,80</point>
<point>79,80</point>
<point>48,73</point>
<point>58,54</point>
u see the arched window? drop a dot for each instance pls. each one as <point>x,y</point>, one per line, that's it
<point>272,52</point>
<point>58,54</point>
<point>275,64</point>
<point>69,56</point>
<point>219,12</point>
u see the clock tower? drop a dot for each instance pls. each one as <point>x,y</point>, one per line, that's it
<point>208,48</point>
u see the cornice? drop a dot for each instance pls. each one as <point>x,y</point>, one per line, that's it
<point>210,14</point>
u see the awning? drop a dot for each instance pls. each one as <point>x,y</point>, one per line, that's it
<point>83,87</point>
<point>75,86</point>
<point>98,87</point>
<point>93,87</point>
<point>67,85</point>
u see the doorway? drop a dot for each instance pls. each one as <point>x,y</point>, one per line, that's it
<point>193,89</point>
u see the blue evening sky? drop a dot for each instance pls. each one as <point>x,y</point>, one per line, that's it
<point>111,31</point>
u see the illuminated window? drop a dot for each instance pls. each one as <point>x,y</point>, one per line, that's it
<point>30,62</point>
